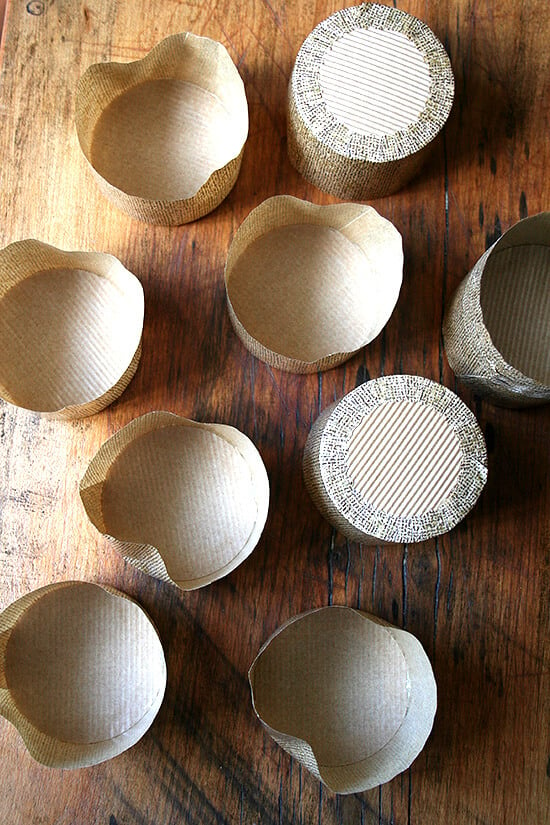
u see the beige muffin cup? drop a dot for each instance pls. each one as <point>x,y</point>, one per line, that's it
<point>308,285</point>
<point>400,459</point>
<point>349,696</point>
<point>371,88</point>
<point>165,135</point>
<point>70,329</point>
<point>182,501</point>
<point>497,326</point>
<point>82,673</point>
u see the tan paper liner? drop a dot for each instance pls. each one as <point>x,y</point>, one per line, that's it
<point>497,326</point>
<point>371,88</point>
<point>82,673</point>
<point>349,696</point>
<point>70,329</point>
<point>400,459</point>
<point>307,285</point>
<point>182,501</point>
<point>165,135</point>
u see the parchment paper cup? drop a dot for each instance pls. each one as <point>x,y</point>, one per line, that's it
<point>352,698</point>
<point>399,459</point>
<point>82,673</point>
<point>307,285</point>
<point>371,88</point>
<point>70,329</point>
<point>165,135</point>
<point>182,501</point>
<point>497,326</point>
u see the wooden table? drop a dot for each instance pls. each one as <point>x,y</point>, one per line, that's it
<point>477,597</point>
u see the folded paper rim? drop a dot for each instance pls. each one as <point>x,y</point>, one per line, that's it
<point>286,210</point>
<point>470,350</point>
<point>23,259</point>
<point>401,749</point>
<point>305,88</point>
<point>146,557</point>
<point>157,64</point>
<point>44,748</point>
<point>328,481</point>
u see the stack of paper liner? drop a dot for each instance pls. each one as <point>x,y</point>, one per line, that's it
<point>164,136</point>
<point>70,329</point>
<point>307,285</point>
<point>82,673</point>
<point>182,501</point>
<point>352,698</point>
<point>497,326</point>
<point>400,459</point>
<point>371,88</point>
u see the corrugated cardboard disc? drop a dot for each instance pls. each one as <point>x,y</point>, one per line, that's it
<point>371,88</point>
<point>165,134</point>
<point>70,329</point>
<point>309,285</point>
<point>350,697</point>
<point>497,325</point>
<point>183,501</point>
<point>82,673</point>
<point>398,459</point>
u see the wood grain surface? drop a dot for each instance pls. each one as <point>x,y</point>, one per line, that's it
<point>478,597</point>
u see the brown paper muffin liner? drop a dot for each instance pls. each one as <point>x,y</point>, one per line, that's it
<point>182,501</point>
<point>371,88</point>
<point>70,329</point>
<point>497,326</point>
<point>82,673</point>
<point>307,285</point>
<point>164,135</point>
<point>352,698</point>
<point>400,459</point>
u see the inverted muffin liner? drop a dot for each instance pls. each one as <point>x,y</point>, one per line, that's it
<point>182,501</point>
<point>82,673</point>
<point>308,285</point>
<point>497,326</point>
<point>70,329</point>
<point>360,143</point>
<point>400,459</point>
<point>182,155</point>
<point>352,698</point>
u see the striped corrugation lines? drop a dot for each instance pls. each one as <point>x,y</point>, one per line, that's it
<point>375,82</point>
<point>515,299</point>
<point>404,458</point>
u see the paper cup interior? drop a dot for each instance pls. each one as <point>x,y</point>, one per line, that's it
<point>515,302</point>
<point>307,282</point>
<point>350,697</point>
<point>83,666</point>
<point>337,682</point>
<point>68,330</point>
<point>158,128</point>
<point>197,495</point>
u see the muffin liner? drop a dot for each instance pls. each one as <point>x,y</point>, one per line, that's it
<point>165,135</point>
<point>70,329</point>
<point>371,88</point>
<point>82,673</point>
<point>307,285</point>
<point>352,698</point>
<point>182,501</point>
<point>497,326</point>
<point>400,459</point>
